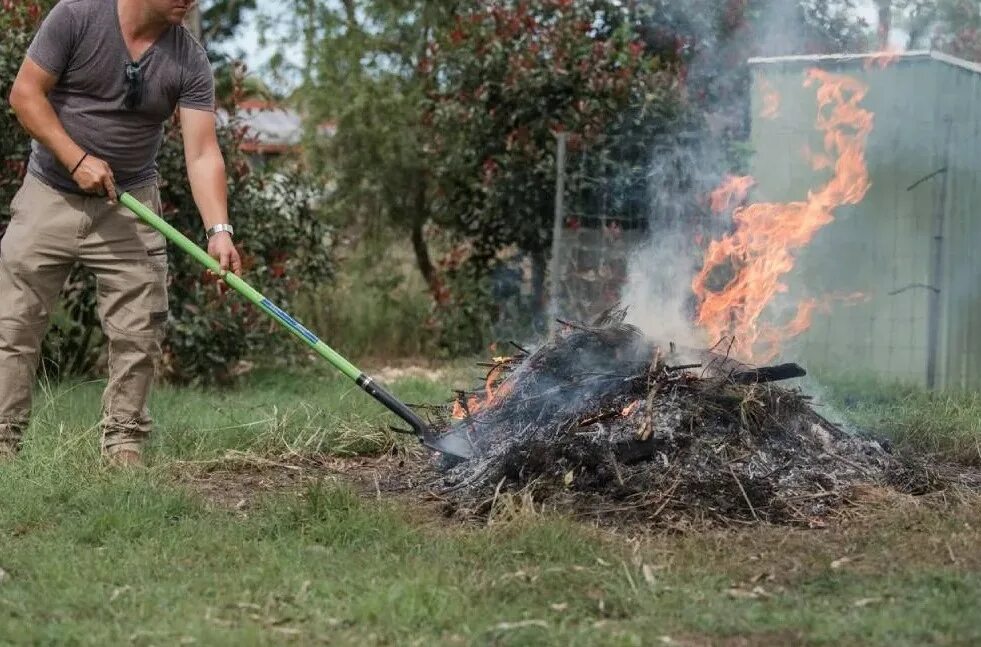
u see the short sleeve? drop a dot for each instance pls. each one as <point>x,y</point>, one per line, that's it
<point>53,42</point>
<point>198,83</point>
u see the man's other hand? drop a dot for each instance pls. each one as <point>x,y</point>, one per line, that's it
<point>222,249</point>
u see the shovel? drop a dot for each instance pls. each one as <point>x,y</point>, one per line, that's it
<point>453,444</point>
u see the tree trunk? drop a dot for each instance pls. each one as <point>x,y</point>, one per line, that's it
<point>419,246</point>
<point>885,23</point>
<point>193,22</point>
<point>351,15</point>
<point>309,43</point>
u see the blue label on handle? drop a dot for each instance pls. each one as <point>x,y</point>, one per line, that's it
<point>290,321</point>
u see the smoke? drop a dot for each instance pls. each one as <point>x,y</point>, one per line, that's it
<point>658,290</point>
<point>686,166</point>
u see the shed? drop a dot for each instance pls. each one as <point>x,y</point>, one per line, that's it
<point>912,246</point>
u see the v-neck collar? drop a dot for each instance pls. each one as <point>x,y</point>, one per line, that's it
<point>122,38</point>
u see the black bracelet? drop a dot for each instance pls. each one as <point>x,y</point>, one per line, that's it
<point>72,174</point>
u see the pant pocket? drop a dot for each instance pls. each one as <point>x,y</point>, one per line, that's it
<point>134,303</point>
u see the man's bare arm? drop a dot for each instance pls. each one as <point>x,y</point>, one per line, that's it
<point>205,165</point>
<point>206,173</point>
<point>29,99</point>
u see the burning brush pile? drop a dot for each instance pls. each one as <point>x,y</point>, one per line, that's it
<point>603,420</point>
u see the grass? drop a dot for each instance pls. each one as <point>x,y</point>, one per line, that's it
<point>943,424</point>
<point>378,306</point>
<point>94,557</point>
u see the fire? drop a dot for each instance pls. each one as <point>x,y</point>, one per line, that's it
<point>492,392</point>
<point>819,161</point>
<point>760,250</point>
<point>731,193</point>
<point>882,59</point>
<point>771,100</point>
<point>630,408</point>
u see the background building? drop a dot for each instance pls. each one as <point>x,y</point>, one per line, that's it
<point>911,247</point>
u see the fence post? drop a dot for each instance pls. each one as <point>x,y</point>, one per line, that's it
<point>553,265</point>
<point>935,316</point>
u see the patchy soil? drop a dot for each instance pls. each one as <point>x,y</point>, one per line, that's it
<point>238,481</point>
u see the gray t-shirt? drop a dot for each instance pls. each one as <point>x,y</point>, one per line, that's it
<point>81,43</point>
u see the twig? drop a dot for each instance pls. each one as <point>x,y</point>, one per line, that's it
<point>848,462</point>
<point>745,496</point>
<point>597,418</point>
<point>497,493</point>
<point>667,497</point>
<point>683,367</point>
<point>912,286</point>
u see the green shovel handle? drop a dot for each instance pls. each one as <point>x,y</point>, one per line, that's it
<point>292,325</point>
<point>447,443</point>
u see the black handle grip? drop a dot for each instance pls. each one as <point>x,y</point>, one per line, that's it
<point>394,405</point>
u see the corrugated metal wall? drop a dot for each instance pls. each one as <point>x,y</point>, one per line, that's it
<point>959,105</point>
<point>884,247</point>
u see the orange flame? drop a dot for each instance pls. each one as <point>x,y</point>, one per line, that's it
<point>771,100</point>
<point>882,59</point>
<point>760,250</point>
<point>818,161</point>
<point>630,408</point>
<point>731,193</point>
<point>492,393</point>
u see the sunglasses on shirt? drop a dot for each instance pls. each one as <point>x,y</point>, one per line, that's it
<point>134,86</point>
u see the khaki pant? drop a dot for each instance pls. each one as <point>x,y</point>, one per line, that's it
<point>48,232</point>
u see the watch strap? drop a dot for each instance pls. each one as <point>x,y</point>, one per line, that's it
<point>214,229</point>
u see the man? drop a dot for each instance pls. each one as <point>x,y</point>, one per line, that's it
<point>99,80</point>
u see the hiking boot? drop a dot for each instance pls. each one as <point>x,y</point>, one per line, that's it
<point>125,459</point>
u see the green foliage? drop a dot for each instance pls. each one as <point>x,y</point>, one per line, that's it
<point>377,308</point>
<point>952,26</point>
<point>17,23</point>
<point>273,212</point>
<point>282,240</point>
<point>221,19</point>
<point>946,424</point>
<point>363,76</point>
<point>507,79</point>
<point>959,28</point>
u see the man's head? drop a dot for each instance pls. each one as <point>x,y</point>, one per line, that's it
<point>170,11</point>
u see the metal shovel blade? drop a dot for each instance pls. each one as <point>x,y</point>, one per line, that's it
<point>454,442</point>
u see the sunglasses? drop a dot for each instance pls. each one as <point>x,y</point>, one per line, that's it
<point>134,86</point>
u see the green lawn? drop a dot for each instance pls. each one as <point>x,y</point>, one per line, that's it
<point>944,424</point>
<point>95,557</point>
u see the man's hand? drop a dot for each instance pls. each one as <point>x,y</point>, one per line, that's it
<point>93,175</point>
<point>222,249</point>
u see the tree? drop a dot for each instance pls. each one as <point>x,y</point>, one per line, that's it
<point>220,20</point>
<point>958,29</point>
<point>506,78</point>
<point>363,74</point>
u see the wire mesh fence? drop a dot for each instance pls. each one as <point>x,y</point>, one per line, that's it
<point>611,215</point>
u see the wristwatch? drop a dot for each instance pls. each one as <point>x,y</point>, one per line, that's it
<point>214,229</point>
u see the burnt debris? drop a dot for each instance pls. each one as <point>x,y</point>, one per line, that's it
<point>604,421</point>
